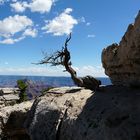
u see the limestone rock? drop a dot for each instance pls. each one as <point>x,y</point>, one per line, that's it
<point>122,61</point>
<point>111,114</point>
<point>8,96</point>
<point>9,90</point>
<point>12,119</point>
<point>49,112</point>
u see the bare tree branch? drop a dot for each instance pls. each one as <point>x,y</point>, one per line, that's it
<point>63,58</point>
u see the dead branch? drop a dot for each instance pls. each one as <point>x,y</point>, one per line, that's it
<point>63,58</point>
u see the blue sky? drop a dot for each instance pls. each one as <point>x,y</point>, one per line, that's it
<point>28,27</point>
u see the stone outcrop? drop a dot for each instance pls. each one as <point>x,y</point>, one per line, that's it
<point>122,61</point>
<point>8,96</point>
<point>78,114</point>
<point>12,119</point>
<point>48,113</point>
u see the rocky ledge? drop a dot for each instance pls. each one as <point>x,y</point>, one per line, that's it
<point>78,114</point>
<point>8,96</point>
<point>73,113</point>
<point>122,61</point>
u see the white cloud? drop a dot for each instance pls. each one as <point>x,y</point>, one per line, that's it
<point>11,26</point>
<point>62,24</point>
<point>30,32</point>
<point>82,19</point>
<point>11,40</point>
<point>18,6</point>
<point>7,41</point>
<point>88,23</point>
<point>34,70</point>
<point>41,6</point>
<point>53,71</point>
<point>97,71</point>
<point>68,10</point>
<point>91,36</point>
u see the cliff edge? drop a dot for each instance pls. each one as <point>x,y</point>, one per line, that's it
<point>122,61</point>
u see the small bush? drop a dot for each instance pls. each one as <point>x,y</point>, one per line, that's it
<point>22,87</point>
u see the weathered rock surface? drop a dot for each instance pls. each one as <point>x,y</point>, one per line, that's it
<point>12,119</point>
<point>9,90</point>
<point>73,114</point>
<point>122,61</point>
<point>49,112</point>
<point>8,96</point>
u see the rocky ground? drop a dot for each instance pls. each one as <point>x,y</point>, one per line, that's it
<point>8,96</point>
<point>72,113</point>
<point>12,114</point>
<point>12,119</point>
<point>78,114</point>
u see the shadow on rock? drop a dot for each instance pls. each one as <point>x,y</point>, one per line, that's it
<point>111,114</point>
<point>13,129</point>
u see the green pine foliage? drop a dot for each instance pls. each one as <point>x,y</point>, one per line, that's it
<point>22,87</point>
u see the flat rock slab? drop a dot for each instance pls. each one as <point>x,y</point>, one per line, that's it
<point>64,90</point>
<point>11,97</point>
<point>9,90</point>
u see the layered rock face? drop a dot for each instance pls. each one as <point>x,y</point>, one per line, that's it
<point>8,96</point>
<point>122,61</point>
<point>79,114</point>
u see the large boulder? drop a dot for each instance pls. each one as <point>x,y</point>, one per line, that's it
<point>12,119</point>
<point>122,61</point>
<point>79,114</point>
<point>49,113</point>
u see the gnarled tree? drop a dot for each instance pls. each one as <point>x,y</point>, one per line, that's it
<point>63,58</point>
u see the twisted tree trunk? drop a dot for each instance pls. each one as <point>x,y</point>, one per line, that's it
<point>63,58</point>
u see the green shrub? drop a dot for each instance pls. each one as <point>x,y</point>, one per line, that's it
<point>22,87</point>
